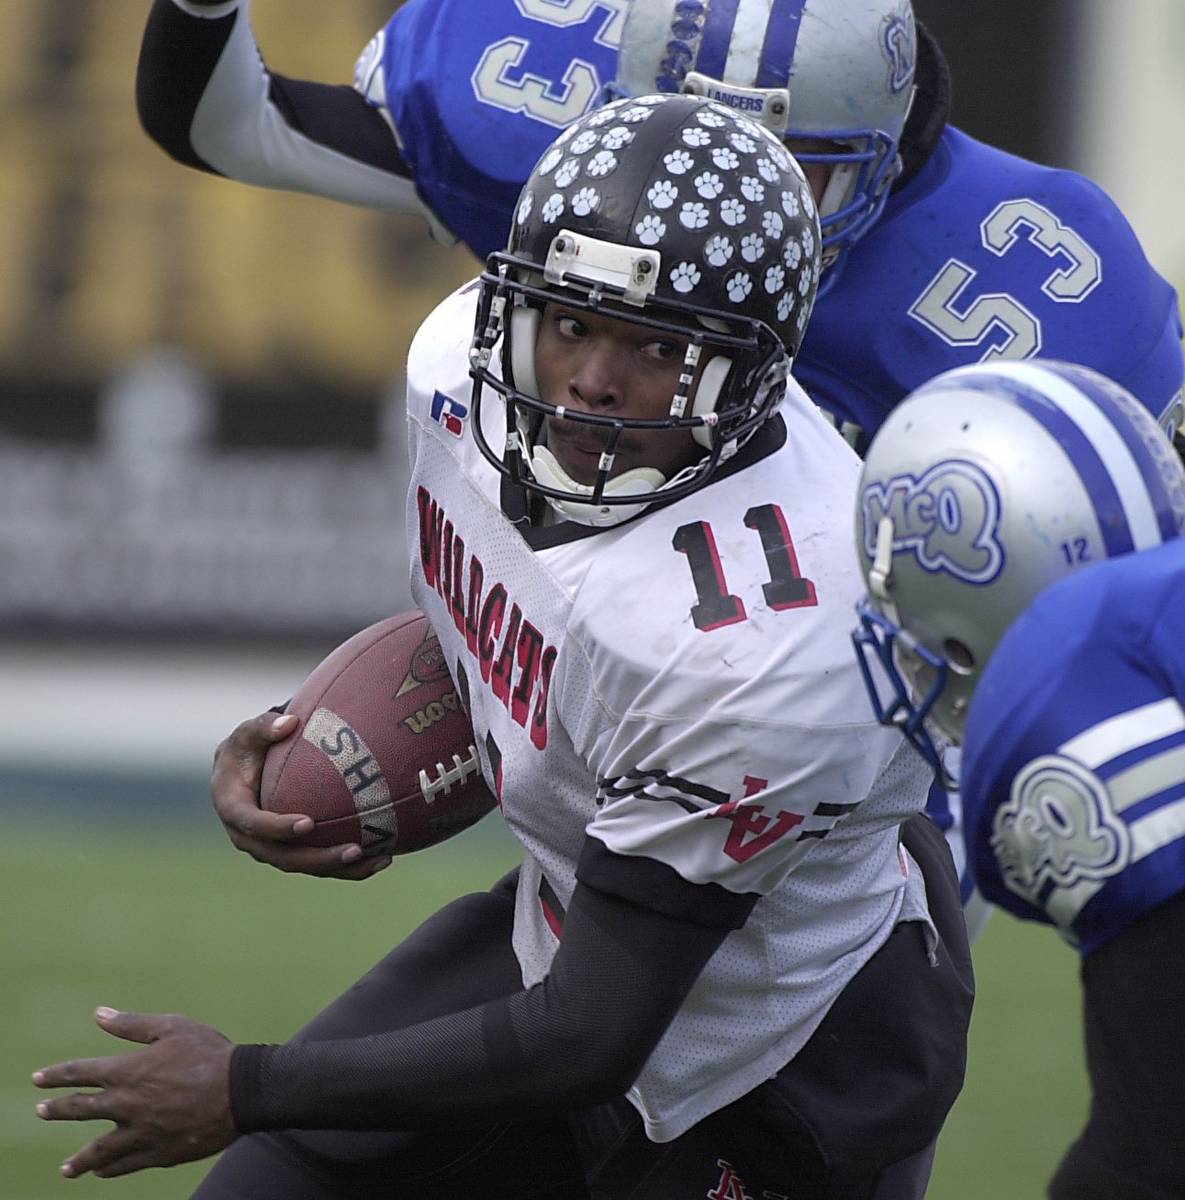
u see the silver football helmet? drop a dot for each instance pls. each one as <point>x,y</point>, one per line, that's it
<point>834,78</point>
<point>983,487</point>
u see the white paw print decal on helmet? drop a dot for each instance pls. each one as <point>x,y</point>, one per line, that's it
<point>783,159</point>
<point>585,201</point>
<point>737,236</point>
<point>752,247</point>
<point>739,286</point>
<point>650,230</point>
<point>678,162</point>
<point>662,194</point>
<point>718,250</point>
<point>808,200</point>
<point>752,189</point>
<point>601,163</point>
<point>685,276</point>
<point>568,171</point>
<point>709,185</point>
<point>694,215</point>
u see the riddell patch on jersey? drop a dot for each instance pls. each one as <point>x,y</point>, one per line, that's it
<point>948,518</point>
<point>450,413</point>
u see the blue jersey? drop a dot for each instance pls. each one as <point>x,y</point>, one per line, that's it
<point>478,91</point>
<point>981,255</point>
<point>984,255</point>
<point>1074,761</point>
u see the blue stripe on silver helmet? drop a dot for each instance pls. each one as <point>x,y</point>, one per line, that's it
<point>781,38</point>
<point>1118,449</point>
<point>717,38</point>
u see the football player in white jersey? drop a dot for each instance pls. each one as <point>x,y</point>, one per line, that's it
<point>1020,526</point>
<point>724,971</point>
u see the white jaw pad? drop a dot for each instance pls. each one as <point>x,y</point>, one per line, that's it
<point>640,481</point>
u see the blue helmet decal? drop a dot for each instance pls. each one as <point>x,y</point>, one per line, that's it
<point>899,39</point>
<point>948,518</point>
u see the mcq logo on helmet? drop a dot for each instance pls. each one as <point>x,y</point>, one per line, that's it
<point>948,518</point>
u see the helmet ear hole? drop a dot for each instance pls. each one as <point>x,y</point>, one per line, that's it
<point>707,393</point>
<point>959,656</point>
<point>521,334</point>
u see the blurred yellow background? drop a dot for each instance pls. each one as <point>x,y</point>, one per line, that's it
<point>107,245</point>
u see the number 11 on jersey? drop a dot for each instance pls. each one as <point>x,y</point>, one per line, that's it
<point>716,606</point>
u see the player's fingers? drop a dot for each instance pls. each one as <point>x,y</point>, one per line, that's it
<point>244,750</point>
<point>78,1072</point>
<point>242,816</point>
<point>136,1027</point>
<point>138,1160</point>
<point>102,1153</point>
<point>79,1106</point>
<point>344,860</point>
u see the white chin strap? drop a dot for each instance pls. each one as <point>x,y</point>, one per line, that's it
<point>639,481</point>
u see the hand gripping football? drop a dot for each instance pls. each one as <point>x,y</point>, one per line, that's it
<point>385,754</point>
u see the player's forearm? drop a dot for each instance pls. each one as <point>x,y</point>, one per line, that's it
<point>204,95</point>
<point>579,1038</point>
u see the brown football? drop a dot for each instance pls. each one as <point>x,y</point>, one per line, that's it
<point>385,754</point>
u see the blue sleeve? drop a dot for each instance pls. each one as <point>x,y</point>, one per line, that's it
<point>984,255</point>
<point>1074,762</point>
<point>477,90</point>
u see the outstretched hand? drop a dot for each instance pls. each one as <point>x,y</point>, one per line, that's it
<point>267,836</point>
<point>170,1101</point>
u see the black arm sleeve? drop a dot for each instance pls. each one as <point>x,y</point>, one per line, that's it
<point>1134,993</point>
<point>178,57</point>
<point>580,1037</point>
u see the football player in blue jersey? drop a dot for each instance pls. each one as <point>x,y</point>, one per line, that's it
<point>940,250</point>
<point>1020,529</point>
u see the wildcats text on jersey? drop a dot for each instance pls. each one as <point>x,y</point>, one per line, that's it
<point>480,613</point>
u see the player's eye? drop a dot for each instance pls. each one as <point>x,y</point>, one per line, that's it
<point>664,349</point>
<point>569,326</point>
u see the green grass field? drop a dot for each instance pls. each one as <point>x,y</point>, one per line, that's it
<point>179,922</point>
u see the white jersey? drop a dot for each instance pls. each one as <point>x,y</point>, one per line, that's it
<point>681,688</point>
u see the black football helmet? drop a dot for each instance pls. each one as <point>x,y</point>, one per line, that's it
<point>676,214</point>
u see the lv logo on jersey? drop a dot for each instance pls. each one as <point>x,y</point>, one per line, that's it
<point>752,831</point>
